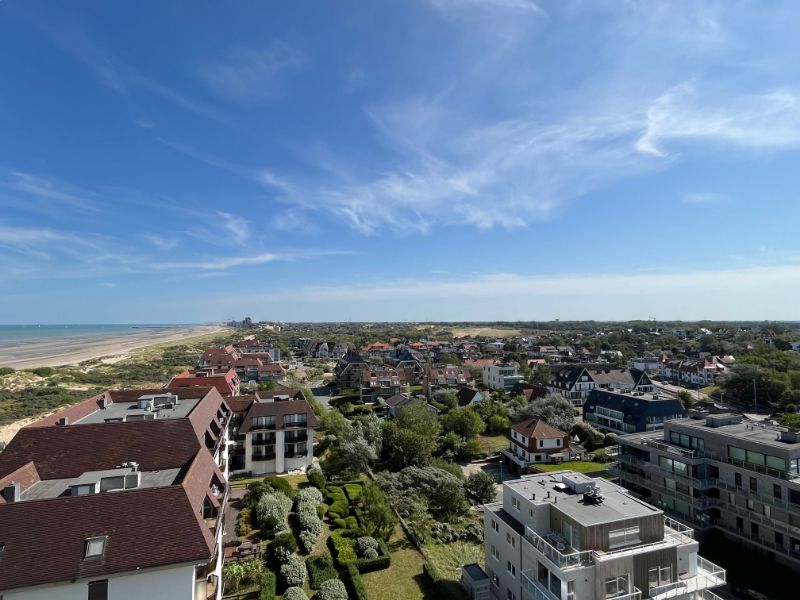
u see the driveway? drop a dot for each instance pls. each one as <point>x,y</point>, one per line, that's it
<point>322,394</point>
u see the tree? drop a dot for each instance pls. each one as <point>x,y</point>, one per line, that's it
<point>332,422</point>
<point>377,517</point>
<point>449,358</point>
<point>404,447</point>
<point>541,375</point>
<point>333,589</point>
<point>446,399</point>
<point>590,437</point>
<point>480,488</point>
<point>498,424</point>
<point>685,398</point>
<point>555,410</point>
<point>467,423</point>
<point>419,418</point>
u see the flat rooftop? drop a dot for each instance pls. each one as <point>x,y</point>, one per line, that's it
<point>745,430</point>
<point>552,488</point>
<point>130,411</point>
<point>54,488</point>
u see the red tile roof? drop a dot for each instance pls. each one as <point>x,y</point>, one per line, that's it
<point>278,410</point>
<point>537,429</point>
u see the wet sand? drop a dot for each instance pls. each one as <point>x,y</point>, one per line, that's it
<point>70,351</point>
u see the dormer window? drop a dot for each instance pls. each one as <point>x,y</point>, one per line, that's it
<point>95,547</point>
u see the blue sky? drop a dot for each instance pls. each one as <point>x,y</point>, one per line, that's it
<point>418,160</point>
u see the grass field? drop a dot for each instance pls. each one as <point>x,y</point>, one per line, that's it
<point>579,466</point>
<point>484,331</point>
<point>404,579</point>
<point>449,558</point>
<point>491,444</point>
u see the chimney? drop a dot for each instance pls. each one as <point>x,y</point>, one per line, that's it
<point>12,492</point>
<point>63,422</point>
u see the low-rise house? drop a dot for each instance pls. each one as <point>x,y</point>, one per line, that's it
<point>218,358</point>
<point>445,378</point>
<point>399,401</point>
<point>123,506</point>
<point>278,430</point>
<point>227,381</point>
<point>467,396</point>
<point>629,412</point>
<point>564,535</point>
<point>701,372</point>
<point>376,350</point>
<point>648,364</point>
<point>534,441</point>
<point>259,348</point>
<point>501,376</point>
<point>348,370</point>
<point>382,383</point>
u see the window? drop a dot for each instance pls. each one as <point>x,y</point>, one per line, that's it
<point>571,590</point>
<point>776,491</point>
<point>751,505</point>
<point>659,576</point>
<point>510,539</point>
<point>515,502</point>
<point>766,510</point>
<point>98,590</point>
<point>623,537</point>
<point>95,547</point>
<point>738,479</point>
<point>739,523</point>
<point>510,595</point>
<point>495,552</point>
<point>779,539</point>
<point>617,586</point>
<point>754,528</point>
<point>753,484</point>
<point>495,526</point>
<point>511,568</point>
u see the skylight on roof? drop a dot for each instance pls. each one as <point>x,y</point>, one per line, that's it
<point>95,547</point>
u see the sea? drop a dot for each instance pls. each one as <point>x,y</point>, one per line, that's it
<point>13,334</point>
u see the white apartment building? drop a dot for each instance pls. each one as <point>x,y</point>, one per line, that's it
<point>565,536</point>
<point>501,376</point>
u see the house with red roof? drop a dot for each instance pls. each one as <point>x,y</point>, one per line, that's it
<point>534,441</point>
<point>227,382</point>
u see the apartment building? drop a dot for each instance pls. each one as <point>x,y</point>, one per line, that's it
<point>565,536</point>
<point>576,382</point>
<point>502,376</point>
<point>120,496</point>
<point>723,472</point>
<point>382,383</point>
<point>445,378</point>
<point>629,412</point>
<point>276,433</point>
<point>226,380</point>
<point>348,370</point>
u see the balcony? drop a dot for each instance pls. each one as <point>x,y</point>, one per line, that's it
<point>258,457</point>
<point>708,575</point>
<point>563,560</point>
<point>294,439</point>
<point>535,590</point>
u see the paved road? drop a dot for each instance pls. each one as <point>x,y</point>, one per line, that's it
<point>322,394</point>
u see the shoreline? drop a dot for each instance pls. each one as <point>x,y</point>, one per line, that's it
<point>66,352</point>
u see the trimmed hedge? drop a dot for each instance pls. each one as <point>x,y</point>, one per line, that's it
<point>353,490</point>
<point>354,584</point>
<point>367,565</point>
<point>320,569</point>
<point>343,547</point>
<point>346,523</point>
<point>267,586</point>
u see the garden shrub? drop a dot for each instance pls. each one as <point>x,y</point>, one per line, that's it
<point>333,589</point>
<point>343,548</point>
<point>280,484</point>
<point>320,569</point>
<point>353,490</point>
<point>294,593</point>
<point>267,586</point>
<point>284,541</point>
<point>242,573</point>
<point>371,554</point>
<point>321,510</point>
<point>272,511</point>
<point>310,496</point>
<point>340,508</point>
<point>293,571</point>
<point>307,541</point>
<point>355,584</point>
<point>244,524</point>
<point>365,543</point>
<point>375,559</point>
<point>316,478</point>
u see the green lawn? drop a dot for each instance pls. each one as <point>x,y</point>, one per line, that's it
<point>404,579</point>
<point>491,444</point>
<point>577,465</point>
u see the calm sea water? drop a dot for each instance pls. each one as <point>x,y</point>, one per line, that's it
<point>43,333</point>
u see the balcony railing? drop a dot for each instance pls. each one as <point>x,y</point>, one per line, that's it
<point>536,590</point>
<point>560,559</point>
<point>708,575</point>
<point>262,456</point>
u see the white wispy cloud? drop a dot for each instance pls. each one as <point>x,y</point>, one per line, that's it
<point>161,242</point>
<point>249,75</point>
<point>228,262</point>
<point>238,227</point>
<point>514,5</point>
<point>705,198</point>
<point>51,191</point>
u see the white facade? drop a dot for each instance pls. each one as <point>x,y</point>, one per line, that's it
<point>172,583</point>
<point>280,463</point>
<point>499,377</point>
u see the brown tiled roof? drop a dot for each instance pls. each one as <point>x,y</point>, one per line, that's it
<point>270,394</point>
<point>61,452</point>
<point>278,410</point>
<point>44,540</point>
<point>537,428</point>
<point>240,404</point>
<point>25,476</point>
<point>441,374</point>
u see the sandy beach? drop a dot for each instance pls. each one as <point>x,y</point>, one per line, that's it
<point>70,351</point>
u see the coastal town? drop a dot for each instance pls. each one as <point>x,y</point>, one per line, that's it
<point>375,460</point>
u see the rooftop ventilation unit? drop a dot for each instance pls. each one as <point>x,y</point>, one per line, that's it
<point>721,420</point>
<point>593,495</point>
<point>791,436</point>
